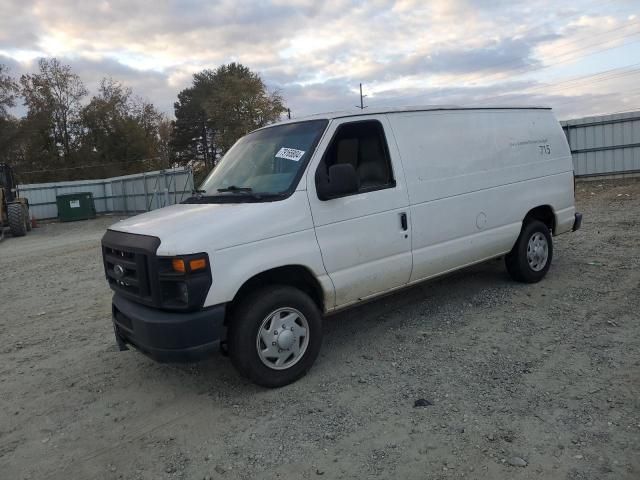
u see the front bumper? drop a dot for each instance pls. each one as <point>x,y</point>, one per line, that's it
<point>168,336</point>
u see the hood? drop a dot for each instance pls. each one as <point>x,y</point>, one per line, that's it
<point>193,228</point>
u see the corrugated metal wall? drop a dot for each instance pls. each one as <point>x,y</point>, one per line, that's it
<point>128,195</point>
<point>604,145</point>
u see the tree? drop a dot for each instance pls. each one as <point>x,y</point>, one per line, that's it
<point>221,106</point>
<point>240,103</point>
<point>193,132</point>
<point>53,99</point>
<point>8,92</point>
<point>121,133</point>
<point>9,125</point>
<point>62,137</point>
<point>165,147</point>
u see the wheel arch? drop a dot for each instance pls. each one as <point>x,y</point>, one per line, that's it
<point>297,276</point>
<point>543,213</point>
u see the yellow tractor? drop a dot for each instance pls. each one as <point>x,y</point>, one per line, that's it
<point>14,211</point>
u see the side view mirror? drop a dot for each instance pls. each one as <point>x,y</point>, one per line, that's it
<point>341,180</point>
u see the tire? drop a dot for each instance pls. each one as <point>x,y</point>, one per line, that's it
<point>28,218</point>
<point>258,321</point>
<point>531,256</point>
<point>17,223</point>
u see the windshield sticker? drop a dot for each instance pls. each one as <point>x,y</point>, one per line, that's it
<point>290,154</point>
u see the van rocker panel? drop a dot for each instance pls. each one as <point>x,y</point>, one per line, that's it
<point>168,336</point>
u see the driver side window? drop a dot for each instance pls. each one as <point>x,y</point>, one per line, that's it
<point>363,145</point>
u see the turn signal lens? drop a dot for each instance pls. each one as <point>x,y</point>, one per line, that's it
<point>178,265</point>
<point>198,264</point>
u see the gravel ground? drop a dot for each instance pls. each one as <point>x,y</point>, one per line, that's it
<point>515,381</point>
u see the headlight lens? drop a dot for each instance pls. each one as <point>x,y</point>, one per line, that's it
<point>184,281</point>
<point>183,293</point>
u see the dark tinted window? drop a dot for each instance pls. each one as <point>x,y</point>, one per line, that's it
<point>363,145</point>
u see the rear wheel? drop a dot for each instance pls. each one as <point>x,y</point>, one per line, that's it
<point>17,220</point>
<point>530,258</point>
<point>275,335</point>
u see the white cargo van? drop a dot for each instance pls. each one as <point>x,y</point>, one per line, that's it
<point>306,217</point>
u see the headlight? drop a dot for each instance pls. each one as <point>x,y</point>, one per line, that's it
<point>184,281</point>
<point>183,293</point>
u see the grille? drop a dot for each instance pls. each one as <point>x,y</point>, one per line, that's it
<point>127,271</point>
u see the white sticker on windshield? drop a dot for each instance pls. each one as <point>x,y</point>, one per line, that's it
<point>290,154</point>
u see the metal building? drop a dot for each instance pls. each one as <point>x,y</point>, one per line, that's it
<point>605,145</point>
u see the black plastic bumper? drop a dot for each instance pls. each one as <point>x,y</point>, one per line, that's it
<point>577,222</point>
<point>168,336</point>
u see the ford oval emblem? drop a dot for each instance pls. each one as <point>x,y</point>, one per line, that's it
<point>118,270</point>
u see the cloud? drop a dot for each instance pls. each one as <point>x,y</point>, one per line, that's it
<point>316,53</point>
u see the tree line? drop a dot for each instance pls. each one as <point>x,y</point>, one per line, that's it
<point>65,135</point>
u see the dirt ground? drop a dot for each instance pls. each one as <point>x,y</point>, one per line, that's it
<point>546,376</point>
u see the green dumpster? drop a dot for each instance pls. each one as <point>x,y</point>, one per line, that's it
<point>76,206</point>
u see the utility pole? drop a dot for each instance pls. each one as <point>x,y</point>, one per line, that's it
<point>361,106</point>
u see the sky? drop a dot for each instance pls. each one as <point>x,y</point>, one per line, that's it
<point>580,57</point>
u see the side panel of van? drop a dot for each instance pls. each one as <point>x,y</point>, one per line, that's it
<point>472,176</point>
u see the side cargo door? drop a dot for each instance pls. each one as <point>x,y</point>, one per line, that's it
<point>364,237</point>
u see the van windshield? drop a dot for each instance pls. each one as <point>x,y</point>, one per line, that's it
<point>265,163</point>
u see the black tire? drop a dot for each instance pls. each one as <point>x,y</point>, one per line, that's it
<point>517,261</point>
<point>17,223</point>
<point>247,320</point>
<point>28,218</point>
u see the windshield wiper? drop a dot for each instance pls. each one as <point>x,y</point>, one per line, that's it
<point>233,188</point>
<point>246,197</point>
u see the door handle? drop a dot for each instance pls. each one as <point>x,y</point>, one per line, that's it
<point>403,221</point>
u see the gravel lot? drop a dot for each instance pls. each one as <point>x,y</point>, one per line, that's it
<point>520,381</point>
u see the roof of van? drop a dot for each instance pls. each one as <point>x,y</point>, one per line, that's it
<point>415,108</point>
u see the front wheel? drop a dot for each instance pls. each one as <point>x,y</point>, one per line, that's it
<point>17,219</point>
<point>275,335</point>
<point>530,258</point>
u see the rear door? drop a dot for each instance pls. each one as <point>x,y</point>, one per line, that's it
<point>365,237</point>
